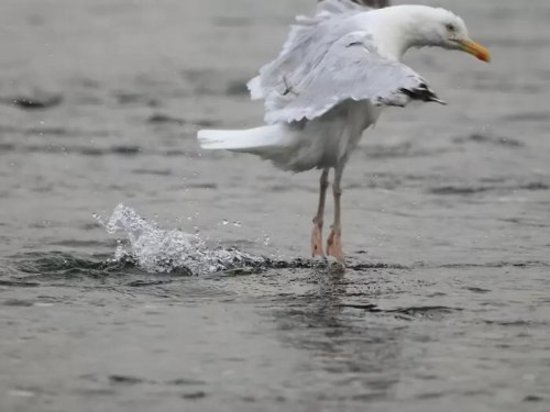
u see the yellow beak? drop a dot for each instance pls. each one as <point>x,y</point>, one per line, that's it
<point>481,52</point>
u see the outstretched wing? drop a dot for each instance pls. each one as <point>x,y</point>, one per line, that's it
<point>351,69</point>
<point>308,41</point>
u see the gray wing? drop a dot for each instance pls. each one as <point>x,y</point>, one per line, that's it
<point>351,69</point>
<point>306,45</point>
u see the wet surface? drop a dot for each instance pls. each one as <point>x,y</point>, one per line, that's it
<point>197,294</point>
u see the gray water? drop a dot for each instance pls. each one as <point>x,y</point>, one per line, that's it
<point>197,293</point>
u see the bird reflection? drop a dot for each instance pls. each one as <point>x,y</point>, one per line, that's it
<point>336,324</point>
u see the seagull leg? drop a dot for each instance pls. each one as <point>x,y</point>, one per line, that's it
<point>316,234</point>
<point>334,244</point>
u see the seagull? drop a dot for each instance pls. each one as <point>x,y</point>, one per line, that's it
<point>335,74</point>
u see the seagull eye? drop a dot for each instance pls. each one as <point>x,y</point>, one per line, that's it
<point>450,27</point>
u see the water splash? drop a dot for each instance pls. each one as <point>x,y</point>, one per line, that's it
<point>156,250</point>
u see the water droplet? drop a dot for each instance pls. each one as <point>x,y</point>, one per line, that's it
<point>225,222</point>
<point>267,240</point>
<point>237,223</point>
<point>156,250</point>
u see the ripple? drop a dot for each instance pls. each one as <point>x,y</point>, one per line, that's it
<point>194,395</point>
<point>529,117</point>
<point>125,380</point>
<point>405,312</point>
<point>125,150</point>
<point>153,172</point>
<point>424,311</point>
<point>481,138</point>
<point>17,283</point>
<point>39,101</point>
<point>159,118</point>
<point>459,190</point>
<point>470,190</point>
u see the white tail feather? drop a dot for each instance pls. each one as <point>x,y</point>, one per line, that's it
<point>249,140</point>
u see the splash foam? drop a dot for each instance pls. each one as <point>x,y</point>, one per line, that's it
<point>156,250</point>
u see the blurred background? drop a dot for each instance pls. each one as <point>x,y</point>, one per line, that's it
<point>446,207</point>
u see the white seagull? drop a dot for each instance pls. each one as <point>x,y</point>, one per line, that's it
<point>334,75</point>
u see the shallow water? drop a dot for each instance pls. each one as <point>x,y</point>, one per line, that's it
<point>196,293</point>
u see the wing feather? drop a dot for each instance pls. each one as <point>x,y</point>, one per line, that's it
<point>351,69</point>
<point>330,58</point>
<point>306,44</point>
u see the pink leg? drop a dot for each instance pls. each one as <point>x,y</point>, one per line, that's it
<point>316,234</point>
<point>334,242</point>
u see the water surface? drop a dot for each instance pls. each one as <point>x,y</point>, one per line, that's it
<point>199,295</point>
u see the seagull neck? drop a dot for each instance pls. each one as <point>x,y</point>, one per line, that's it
<point>396,29</point>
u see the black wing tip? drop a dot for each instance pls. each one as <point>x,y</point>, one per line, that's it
<point>438,100</point>
<point>422,93</point>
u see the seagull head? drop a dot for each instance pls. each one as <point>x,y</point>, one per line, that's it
<point>405,26</point>
<point>442,28</point>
